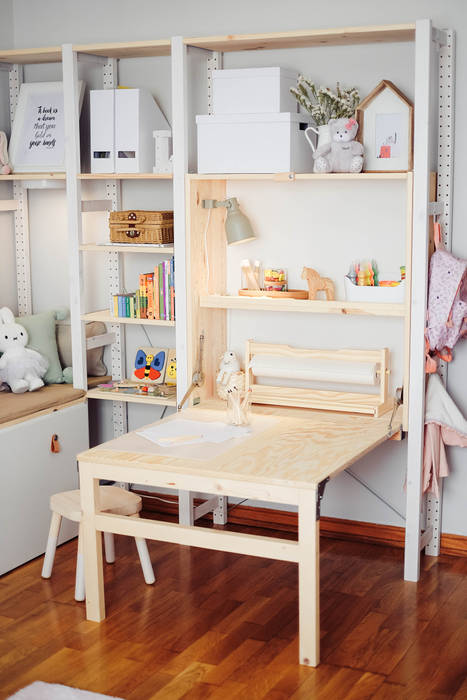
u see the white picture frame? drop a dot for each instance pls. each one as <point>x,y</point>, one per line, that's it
<point>385,119</point>
<point>37,141</point>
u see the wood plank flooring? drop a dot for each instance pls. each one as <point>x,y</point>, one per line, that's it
<point>223,626</point>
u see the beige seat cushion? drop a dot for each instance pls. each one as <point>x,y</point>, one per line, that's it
<point>53,396</point>
<point>112,500</point>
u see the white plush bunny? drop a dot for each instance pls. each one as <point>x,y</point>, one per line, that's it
<point>20,367</point>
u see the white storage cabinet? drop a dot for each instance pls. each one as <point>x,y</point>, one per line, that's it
<point>253,90</point>
<point>30,473</point>
<point>253,143</point>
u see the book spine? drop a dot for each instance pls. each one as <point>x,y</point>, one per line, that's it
<point>120,306</point>
<point>115,305</point>
<point>157,308</point>
<point>167,290</point>
<point>161,292</point>
<point>150,279</point>
<point>127,306</point>
<point>141,295</point>
<point>132,306</point>
<point>137,307</point>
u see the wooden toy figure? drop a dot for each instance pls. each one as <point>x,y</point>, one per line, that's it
<point>318,284</point>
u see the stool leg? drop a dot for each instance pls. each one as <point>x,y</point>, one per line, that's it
<point>79,578</point>
<point>49,556</point>
<point>142,547</point>
<point>109,546</point>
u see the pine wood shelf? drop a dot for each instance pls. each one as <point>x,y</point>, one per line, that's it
<point>130,398</point>
<point>126,248</point>
<point>127,49</point>
<point>291,177</point>
<point>216,301</point>
<point>107,317</point>
<point>46,54</point>
<point>302,39</point>
<point>34,176</point>
<point>125,176</point>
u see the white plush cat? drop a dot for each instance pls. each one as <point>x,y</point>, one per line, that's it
<point>20,367</point>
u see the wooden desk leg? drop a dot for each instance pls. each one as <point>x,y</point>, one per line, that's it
<point>308,579</point>
<point>92,547</point>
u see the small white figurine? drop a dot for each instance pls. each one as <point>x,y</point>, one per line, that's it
<point>229,374</point>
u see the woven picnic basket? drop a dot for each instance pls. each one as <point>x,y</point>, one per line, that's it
<point>139,226</point>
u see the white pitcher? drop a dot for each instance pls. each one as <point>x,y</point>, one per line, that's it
<point>322,132</point>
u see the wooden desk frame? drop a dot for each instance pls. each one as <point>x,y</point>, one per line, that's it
<point>305,552</point>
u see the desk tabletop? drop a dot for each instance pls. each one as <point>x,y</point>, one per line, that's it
<point>288,446</point>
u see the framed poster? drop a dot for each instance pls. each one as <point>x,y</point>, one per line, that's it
<point>37,141</point>
<point>385,120</point>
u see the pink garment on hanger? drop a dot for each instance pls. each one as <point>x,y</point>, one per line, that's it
<point>444,425</point>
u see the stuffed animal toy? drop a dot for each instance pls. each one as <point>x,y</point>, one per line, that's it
<point>21,368</point>
<point>4,160</point>
<point>343,154</point>
<point>229,375</point>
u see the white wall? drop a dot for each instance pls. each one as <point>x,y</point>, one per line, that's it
<point>118,20</point>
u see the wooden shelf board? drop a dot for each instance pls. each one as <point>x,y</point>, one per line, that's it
<point>301,305</point>
<point>127,49</point>
<point>284,177</point>
<point>125,176</point>
<point>129,398</point>
<point>107,317</point>
<point>45,54</point>
<point>302,38</point>
<point>126,248</point>
<point>34,176</point>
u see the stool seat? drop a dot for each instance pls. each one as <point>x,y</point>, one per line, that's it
<point>112,499</point>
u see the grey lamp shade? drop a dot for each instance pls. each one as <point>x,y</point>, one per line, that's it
<point>237,226</point>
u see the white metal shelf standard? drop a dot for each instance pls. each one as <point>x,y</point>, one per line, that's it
<point>113,192</point>
<point>446,99</point>
<point>20,195</point>
<point>427,41</point>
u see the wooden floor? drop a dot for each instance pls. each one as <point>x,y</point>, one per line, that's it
<point>223,626</point>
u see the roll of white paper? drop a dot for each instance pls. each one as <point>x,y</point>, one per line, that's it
<point>334,371</point>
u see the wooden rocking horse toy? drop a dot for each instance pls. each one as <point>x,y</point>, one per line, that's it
<point>318,284</point>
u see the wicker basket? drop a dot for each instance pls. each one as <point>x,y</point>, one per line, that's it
<point>141,226</point>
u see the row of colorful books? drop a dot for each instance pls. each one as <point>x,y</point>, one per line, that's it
<point>155,298</point>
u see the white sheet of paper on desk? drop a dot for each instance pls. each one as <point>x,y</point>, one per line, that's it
<point>176,433</point>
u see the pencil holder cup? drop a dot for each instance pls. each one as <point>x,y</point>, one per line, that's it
<point>238,407</point>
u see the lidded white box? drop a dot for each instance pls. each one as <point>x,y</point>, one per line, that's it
<point>253,90</point>
<point>253,143</point>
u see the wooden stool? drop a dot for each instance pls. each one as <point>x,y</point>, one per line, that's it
<point>112,500</point>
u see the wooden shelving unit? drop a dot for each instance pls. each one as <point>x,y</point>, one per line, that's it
<point>199,308</point>
<point>106,317</point>
<point>223,301</point>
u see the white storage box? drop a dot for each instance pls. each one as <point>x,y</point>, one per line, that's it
<point>390,295</point>
<point>253,143</point>
<point>253,90</point>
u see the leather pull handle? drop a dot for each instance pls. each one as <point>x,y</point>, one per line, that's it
<point>55,444</point>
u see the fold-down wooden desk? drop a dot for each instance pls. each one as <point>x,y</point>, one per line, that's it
<point>288,458</point>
